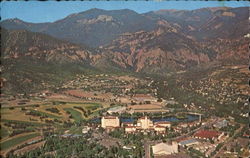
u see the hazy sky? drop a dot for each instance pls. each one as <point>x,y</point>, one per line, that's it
<point>35,11</point>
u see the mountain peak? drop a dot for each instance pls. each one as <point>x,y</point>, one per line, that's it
<point>98,10</point>
<point>165,10</point>
<point>93,10</point>
<point>16,20</point>
<point>214,9</point>
<point>97,27</point>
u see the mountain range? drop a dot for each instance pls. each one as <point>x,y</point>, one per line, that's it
<point>155,42</point>
<point>96,27</point>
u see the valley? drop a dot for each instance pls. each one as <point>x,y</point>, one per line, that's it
<point>79,101</point>
<point>117,83</point>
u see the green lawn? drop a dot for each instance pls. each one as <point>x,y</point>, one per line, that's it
<point>12,142</point>
<point>77,116</point>
<point>90,103</point>
<point>24,122</point>
<point>46,114</point>
<point>4,132</point>
<point>86,104</point>
<point>93,106</point>
<point>95,113</point>
<point>75,130</point>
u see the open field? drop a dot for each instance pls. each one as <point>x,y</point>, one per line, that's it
<point>147,108</point>
<point>77,116</point>
<point>93,106</point>
<point>75,130</point>
<point>89,95</point>
<point>15,141</point>
<point>23,122</point>
<point>32,115</point>
<point>62,97</point>
<point>20,102</point>
<point>22,113</point>
<point>29,148</point>
<point>28,123</point>
<point>4,132</point>
<point>45,114</point>
<point>15,114</point>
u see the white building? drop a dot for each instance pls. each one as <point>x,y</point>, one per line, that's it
<point>160,129</point>
<point>130,129</point>
<point>163,123</point>
<point>220,124</point>
<point>85,129</point>
<point>110,122</point>
<point>145,123</point>
<point>118,109</point>
<point>165,149</point>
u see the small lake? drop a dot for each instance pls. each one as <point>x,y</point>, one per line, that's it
<point>170,119</point>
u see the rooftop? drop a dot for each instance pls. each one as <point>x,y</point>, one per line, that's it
<point>158,126</point>
<point>167,148</point>
<point>130,127</point>
<point>185,142</point>
<point>207,134</point>
<point>178,155</point>
<point>110,117</point>
<point>144,117</point>
<point>221,123</point>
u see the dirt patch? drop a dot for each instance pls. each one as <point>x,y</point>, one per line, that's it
<point>60,96</point>
<point>88,95</point>
<point>245,70</point>
<point>126,78</point>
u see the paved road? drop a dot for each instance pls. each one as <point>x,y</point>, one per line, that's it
<point>147,149</point>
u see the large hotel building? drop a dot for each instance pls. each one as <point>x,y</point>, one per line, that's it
<point>143,124</point>
<point>110,122</point>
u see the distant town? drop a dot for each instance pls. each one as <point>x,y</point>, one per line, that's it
<point>127,117</point>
